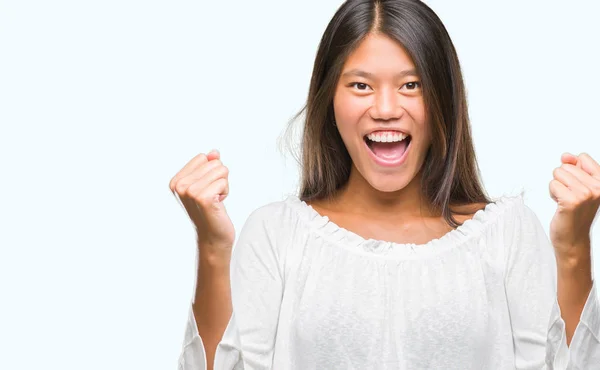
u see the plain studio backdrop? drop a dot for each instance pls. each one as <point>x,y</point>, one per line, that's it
<point>102,102</point>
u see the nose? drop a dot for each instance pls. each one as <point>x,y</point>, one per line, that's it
<point>386,106</point>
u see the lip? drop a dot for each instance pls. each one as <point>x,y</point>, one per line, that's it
<point>387,163</point>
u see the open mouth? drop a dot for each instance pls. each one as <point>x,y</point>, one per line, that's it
<point>388,148</point>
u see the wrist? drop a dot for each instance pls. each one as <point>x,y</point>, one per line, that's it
<point>574,255</point>
<point>573,263</point>
<point>214,256</point>
<point>214,259</point>
<point>574,272</point>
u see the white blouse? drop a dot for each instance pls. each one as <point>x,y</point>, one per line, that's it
<point>308,294</point>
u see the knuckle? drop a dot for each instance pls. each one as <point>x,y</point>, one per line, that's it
<point>204,200</point>
<point>556,171</point>
<point>595,188</point>
<point>566,167</point>
<point>193,187</point>
<point>175,186</point>
<point>209,166</point>
<point>181,187</point>
<point>585,194</point>
<point>570,202</point>
<point>194,191</point>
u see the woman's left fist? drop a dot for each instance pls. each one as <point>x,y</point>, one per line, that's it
<point>576,190</point>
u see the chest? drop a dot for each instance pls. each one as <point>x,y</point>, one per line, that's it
<point>342,307</point>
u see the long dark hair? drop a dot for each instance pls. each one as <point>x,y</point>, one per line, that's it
<point>450,175</point>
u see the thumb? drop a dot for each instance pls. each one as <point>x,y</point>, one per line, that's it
<point>569,158</point>
<point>213,154</point>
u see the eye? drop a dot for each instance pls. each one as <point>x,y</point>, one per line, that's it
<point>412,85</point>
<point>360,86</point>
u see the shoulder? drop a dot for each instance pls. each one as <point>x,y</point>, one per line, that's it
<point>504,218</point>
<point>464,212</point>
<point>514,209</point>
<point>499,209</point>
<point>517,220</point>
<point>272,219</point>
<point>275,212</point>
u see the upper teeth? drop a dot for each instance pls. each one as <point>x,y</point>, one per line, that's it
<point>387,137</point>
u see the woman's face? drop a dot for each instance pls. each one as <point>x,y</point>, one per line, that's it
<point>380,114</point>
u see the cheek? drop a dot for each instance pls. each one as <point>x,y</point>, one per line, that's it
<point>349,110</point>
<point>416,108</point>
<point>418,114</point>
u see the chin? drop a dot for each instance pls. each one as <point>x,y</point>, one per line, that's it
<point>388,183</point>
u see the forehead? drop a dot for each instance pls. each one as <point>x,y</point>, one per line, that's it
<point>378,53</point>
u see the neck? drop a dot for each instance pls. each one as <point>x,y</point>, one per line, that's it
<point>358,196</point>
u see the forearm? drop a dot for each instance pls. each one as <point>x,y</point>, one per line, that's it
<point>212,304</point>
<point>574,283</point>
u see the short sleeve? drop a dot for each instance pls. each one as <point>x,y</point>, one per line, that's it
<point>538,330</point>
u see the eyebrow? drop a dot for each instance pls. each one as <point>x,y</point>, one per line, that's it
<point>361,73</point>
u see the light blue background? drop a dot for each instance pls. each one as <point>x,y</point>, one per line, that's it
<point>102,102</point>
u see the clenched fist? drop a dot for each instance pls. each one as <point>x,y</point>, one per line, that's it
<point>576,190</point>
<point>201,187</point>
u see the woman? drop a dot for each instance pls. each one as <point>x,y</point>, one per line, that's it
<point>393,256</point>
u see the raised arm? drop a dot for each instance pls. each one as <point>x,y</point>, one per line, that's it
<point>576,190</point>
<point>201,186</point>
<point>230,328</point>
<point>539,330</point>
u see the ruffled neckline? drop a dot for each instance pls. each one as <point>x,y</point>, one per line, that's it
<point>469,230</point>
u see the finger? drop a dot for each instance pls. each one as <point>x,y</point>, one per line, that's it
<point>213,154</point>
<point>202,171</point>
<point>560,193</point>
<point>553,189</point>
<point>203,193</point>
<point>569,158</point>
<point>567,179</point>
<point>180,181</point>
<point>221,187</point>
<point>203,176</point>
<point>588,181</point>
<point>589,165</point>
<point>211,194</point>
<point>224,192</point>
<point>198,160</point>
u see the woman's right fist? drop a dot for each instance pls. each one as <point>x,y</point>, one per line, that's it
<point>201,186</point>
